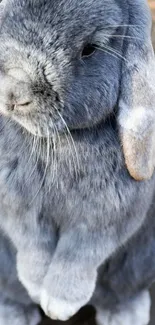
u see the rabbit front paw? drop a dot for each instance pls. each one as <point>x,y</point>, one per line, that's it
<point>58,309</point>
<point>62,295</point>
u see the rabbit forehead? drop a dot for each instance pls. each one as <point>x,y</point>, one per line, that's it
<point>65,8</point>
<point>68,18</point>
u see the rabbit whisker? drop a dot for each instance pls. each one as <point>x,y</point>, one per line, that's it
<point>122,36</point>
<point>123,25</point>
<point>71,144</point>
<point>111,51</point>
<point>46,166</point>
<point>33,148</point>
<point>37,152</point>
<point>55,165</point>
<point>115,52</point>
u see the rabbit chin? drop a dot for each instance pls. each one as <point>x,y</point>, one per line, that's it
<point>44,128</point>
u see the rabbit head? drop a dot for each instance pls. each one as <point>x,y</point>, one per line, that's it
<point>60,62</point>
<point>61,67</point>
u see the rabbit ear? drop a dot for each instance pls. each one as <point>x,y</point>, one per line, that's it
<point>137,96</point>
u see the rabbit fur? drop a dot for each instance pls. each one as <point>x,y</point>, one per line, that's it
<point>67,202</point>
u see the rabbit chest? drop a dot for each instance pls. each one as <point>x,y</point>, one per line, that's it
<point>78,177</point>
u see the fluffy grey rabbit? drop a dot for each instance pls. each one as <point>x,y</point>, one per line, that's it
<point>67,201</point>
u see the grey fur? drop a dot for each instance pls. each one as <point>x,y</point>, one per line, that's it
<point>16,307</point>
<point>67,200</point>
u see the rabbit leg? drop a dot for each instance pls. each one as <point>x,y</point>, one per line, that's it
<point>16,307</point>
<point>34,257</point>
<point>32,266</point>
<point>17,314</point>
<point>71,278</point>
<point>134,311</point>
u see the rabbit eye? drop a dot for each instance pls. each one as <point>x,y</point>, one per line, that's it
<point>88,50</point>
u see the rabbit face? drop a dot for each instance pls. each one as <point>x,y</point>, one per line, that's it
<point>60,63</point>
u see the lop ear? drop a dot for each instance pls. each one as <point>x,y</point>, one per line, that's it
<point>137,96</point>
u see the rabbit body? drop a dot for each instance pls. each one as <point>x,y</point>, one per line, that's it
<point>67,202</point>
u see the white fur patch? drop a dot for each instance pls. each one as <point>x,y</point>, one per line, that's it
<point>134,312</point>
<point>138,119</point>
<point>58,309</point>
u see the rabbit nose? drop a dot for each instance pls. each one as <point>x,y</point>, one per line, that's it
<point>20,98</point>
<point>16,94</point>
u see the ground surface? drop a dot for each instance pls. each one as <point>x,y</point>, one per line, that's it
<point>86,316</point>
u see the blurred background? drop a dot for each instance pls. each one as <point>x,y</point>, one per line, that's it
<point>86,315</point>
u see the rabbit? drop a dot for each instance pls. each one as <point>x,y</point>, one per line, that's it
<point>67,201</point>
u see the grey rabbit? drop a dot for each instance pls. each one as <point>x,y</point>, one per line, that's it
<point>73,76</point>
